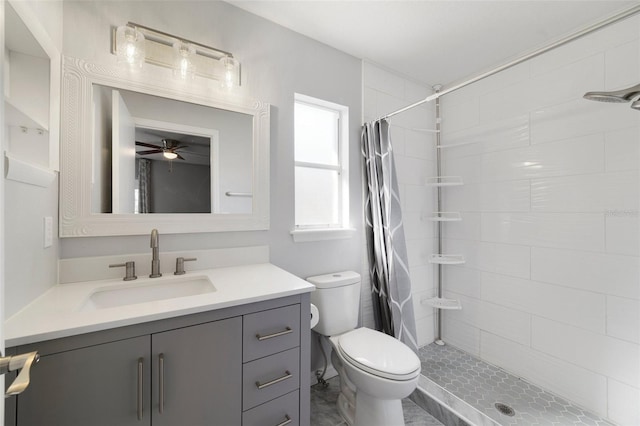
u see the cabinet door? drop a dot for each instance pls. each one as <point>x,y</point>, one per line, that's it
<point>98,385</point>
<point>197,375</point>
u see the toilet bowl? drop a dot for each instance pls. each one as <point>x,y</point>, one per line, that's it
<point>376,371</point>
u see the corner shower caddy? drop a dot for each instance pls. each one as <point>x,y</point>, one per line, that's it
<point>439,217</point>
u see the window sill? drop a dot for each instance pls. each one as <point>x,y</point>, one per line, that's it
<point>324,234</point>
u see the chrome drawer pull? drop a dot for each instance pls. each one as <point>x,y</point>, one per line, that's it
<point>286,421</point>
<point>287,375</point>
<point>139,399</point>
<point>161,383</point>
<point>271,336</point>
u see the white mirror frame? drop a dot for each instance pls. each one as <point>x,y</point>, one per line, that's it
<point>76,155</point>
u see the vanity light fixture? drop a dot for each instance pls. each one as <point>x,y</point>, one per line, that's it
<point>187,58</point>
<point>130,45</point>
<point>182,64</point>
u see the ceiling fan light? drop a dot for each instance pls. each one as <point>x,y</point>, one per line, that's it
<point>170,155</point>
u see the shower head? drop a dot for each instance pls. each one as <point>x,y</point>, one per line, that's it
<point>619,96</point>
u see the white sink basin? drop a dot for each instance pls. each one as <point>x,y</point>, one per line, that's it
<point>150,290</point>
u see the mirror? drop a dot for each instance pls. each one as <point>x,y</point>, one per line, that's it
<point>141,152</point>
<point>160,155</point>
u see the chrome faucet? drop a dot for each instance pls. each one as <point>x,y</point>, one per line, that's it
<point>155,253</point>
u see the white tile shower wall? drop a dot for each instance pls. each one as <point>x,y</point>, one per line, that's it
<point>385,91</point>
<point>551,204</point>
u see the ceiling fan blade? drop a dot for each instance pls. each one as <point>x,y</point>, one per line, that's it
<point>180,157</point>
<point>151,151</point>
<point>148,145</point>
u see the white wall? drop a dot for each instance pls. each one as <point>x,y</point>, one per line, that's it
<point>385,91</point>
<point>550,230</point>
<point>275,63</point>
<point>30,269</point>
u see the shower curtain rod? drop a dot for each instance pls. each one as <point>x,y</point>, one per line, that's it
<point>611,20</point>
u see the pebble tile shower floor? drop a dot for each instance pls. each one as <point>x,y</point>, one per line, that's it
<point>483,385</point>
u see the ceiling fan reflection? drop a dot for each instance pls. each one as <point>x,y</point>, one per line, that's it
<point>169,149</point>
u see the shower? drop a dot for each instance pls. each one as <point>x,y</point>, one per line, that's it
<point>618,96</point>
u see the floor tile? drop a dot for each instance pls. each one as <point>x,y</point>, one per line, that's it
<point>325,413</point>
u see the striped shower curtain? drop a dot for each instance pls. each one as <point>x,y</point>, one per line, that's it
<point>388,265</point>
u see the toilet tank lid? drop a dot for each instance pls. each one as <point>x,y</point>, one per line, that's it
<point>336,279</point>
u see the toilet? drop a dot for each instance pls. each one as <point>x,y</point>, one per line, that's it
<point>376,370</point>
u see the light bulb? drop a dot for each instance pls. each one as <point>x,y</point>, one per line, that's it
<point>130,46</point>
<point>183,68</point>
<point>170,155</point>
<point>231,77</point>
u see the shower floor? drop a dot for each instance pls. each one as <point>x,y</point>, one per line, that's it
<point>481,386</point>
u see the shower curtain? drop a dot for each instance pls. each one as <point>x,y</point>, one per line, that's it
<point>144,179</point>
<point>388,266</point>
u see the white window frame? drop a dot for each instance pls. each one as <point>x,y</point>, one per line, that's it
<point>341,230</point>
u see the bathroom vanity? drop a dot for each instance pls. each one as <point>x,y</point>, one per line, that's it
<point>238,355</point>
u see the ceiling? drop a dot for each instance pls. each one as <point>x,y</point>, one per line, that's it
<point>435,41</point>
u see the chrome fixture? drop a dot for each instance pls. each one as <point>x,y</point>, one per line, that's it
<point>135,44</point>
<point>130,270</point>
<point>617,96</point>
<point>18,362</point>
<point>155,254</point>
<point>180,265</point>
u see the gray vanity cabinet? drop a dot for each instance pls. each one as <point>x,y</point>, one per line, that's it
<point>186,376</point>
<point>197,370</point>
<point>243,365</point>
<point>97,385</point>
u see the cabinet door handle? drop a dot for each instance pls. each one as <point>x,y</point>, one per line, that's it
<point>140,384</point>
<point>287,420</point>
<point>287,375</point>
<point>271,336</point>
<point>161,382</point>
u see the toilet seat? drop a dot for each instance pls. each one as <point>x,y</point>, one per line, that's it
<point>379,354</point>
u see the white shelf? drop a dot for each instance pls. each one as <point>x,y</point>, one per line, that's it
<point>444,181</point>
<point>14,116</point>
<point>447,259</point>
<point>440,303</point>
<point>445,217</point>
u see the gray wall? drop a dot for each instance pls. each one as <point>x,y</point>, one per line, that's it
<point>276,63</point>
<point>180,188</point>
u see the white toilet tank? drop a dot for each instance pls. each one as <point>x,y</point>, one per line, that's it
<point>337,298</point>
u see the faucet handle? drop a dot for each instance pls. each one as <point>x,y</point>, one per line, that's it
<point>130,271</point>
<point>180,265</point>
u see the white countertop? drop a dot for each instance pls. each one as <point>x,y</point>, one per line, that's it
<point>59,312</point>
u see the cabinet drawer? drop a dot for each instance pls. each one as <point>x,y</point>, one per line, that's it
<point>270,377</point>
<point>280,411</point>
<point>268,332</point>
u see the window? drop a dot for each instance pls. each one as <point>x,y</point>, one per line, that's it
<point>321,173</point>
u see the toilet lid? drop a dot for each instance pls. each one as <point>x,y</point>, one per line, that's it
<point>379,354</point>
